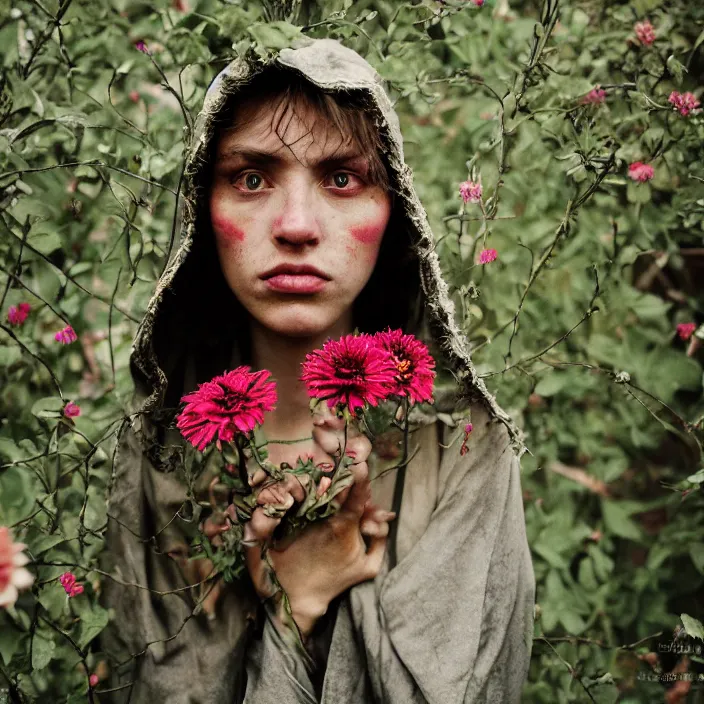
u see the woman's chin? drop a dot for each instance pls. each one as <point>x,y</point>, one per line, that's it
<point>298,321</point>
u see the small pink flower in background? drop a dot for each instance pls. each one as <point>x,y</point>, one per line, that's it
<point>71,410</point>
<point>231,403</point>
<point>686,330</point>
<point>134,96</point>
<point>13,575</point>
<point>596,96</point>
<point>645,32</point>
<point>352,371</point>
<point>471,192</point>
<point>467,430</point>
<point>477,3</point>
<point>684,103</point>
<point>66,336</point>
<point>68,582</point>
<point>487,255</point>
<point>141,46</point>
<point>638,171</point>
<point>93,680</point>
<point>16,315</point>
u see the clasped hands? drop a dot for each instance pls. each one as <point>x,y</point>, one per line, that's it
<point>330,555</point>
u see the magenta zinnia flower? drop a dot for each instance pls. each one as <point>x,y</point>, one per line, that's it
<point>684,103</point>
<point>68,582</point>
<point>645,32</point>
<point>471,192</point>
<point>71,410</point>
<point>16,315</point>
<point>414,365</point>
<point>686,330</point>
<point>228,404</point>
<point>351,371</point>
<point>66,336</point>
<point>638,171</point>
<point>141,46</point>
<point>487,255</point>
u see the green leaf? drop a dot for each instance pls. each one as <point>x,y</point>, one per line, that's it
<point>638,192</point>
<point>617,520</point>
<point>46,542</point>
<point>692,626</point>
<point>53,598</point>
<point>696,552</point>
<point>48,407</point>
<point>675,68</point>
<point>42,651</point>
<point>45,242</point>
<point>93,621</point>
<point>552,384</point>
<point>697,478</point>
<point>10,639</point>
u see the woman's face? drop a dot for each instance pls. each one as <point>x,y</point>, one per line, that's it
<point>297,228</point>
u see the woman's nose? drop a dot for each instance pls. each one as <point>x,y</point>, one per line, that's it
<point>297,222</point>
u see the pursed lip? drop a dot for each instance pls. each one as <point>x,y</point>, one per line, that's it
<point>294,270</point>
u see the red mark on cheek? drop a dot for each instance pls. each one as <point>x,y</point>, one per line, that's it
<point>369,234</point>
<point>226,229</point>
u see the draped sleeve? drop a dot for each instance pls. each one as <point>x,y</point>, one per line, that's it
<point>160,644</point>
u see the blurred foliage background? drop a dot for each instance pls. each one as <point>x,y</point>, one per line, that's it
<point>574,326</point>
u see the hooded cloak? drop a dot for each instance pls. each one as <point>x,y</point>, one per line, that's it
<point>450,616</point>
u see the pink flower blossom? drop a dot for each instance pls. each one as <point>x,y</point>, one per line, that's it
<point>93,680</point>
<point>66,336</point>
<point>684,103</point>
<point>134,96</point>
<point>232,403</point>
<point>13,575</point>
<point>477,3</point>
<point>68,582</point>
<point>141,46</point>
<point>487,255</point>
<point>471,192</point>
<point>686,330</point>
<point>467,430</point>
<point>596,96</point>
<point>71,410</point>
<point>16,315</point>
<point>352,371</point>
<point>645,32</point>
<point>638,171</point>
<point>414,365</point>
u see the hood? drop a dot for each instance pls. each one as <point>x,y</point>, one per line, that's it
<point>163,362</point>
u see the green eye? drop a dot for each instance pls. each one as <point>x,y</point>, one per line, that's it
<point>252,181</point>
<point>341,179</point>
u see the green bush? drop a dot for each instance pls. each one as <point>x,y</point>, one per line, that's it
<point>573,326</point>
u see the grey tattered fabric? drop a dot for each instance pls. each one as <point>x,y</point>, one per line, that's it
<point>451,622</point>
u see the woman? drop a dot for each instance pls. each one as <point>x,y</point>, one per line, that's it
<point>300,223</point>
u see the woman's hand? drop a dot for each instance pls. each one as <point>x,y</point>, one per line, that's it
<point>329,556</point>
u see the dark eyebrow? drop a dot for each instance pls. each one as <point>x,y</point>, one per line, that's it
<point>263,158</point>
